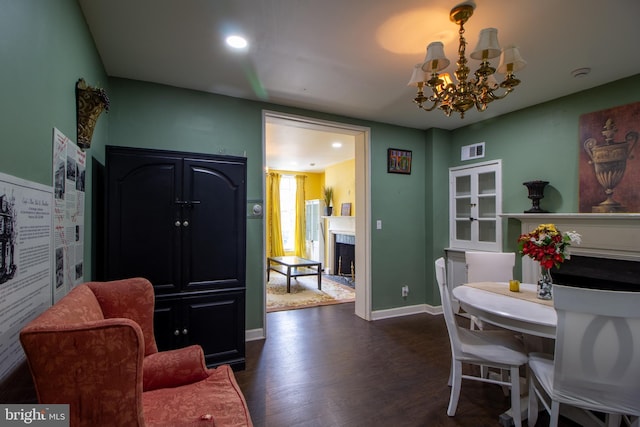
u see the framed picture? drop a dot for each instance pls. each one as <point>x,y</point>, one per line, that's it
<point>609,170</point>
<point>398,161</point>
<point>345,209</point>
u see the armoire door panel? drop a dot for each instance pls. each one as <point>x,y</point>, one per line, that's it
<point>143,239</point>
<point>213,255</point>
<point>216,322</point>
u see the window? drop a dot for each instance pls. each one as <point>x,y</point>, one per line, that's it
<point>288,211</point>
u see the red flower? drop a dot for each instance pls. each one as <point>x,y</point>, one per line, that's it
<point>546,245</point>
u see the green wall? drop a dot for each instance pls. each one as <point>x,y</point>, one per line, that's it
<point>398,250</point>
<point>45,47</point>
<point>437,197</point>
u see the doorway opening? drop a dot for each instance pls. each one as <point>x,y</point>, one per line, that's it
<point>286,135</point>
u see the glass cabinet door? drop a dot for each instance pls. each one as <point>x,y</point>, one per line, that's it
<point>462,197</point>
<point>475,193</point>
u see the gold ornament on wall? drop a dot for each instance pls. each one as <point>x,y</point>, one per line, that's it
<point>90,103</point>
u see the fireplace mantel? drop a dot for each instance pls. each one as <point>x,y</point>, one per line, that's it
<point>615,236</point>
<point>342,224</point>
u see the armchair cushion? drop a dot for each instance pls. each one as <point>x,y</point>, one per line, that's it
<point>174,368</point>
<point>212,402</point>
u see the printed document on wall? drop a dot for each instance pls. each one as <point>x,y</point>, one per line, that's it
<point>25,262</point>
<point>69,167</point>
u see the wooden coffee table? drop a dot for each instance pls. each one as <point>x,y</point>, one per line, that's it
<point>293,266</point>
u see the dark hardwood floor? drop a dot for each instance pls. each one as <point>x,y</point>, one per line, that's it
<point>324,366</point>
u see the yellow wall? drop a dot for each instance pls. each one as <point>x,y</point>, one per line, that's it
<point>312,185</point>
<point>342,177</point>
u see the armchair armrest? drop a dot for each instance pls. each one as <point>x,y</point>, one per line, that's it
<point>174,368</point>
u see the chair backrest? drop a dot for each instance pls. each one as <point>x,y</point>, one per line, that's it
<point>489,266</point>
<point>597,350</point>
<point>447,310</point>
<point>131,298</point>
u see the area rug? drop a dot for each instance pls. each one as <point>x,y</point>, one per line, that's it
<point>305,293</point>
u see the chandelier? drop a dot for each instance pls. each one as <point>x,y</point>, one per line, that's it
<point>478,91</point>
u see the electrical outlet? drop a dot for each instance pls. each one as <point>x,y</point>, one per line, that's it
<point>405,291</point>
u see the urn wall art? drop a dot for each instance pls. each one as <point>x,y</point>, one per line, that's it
<point>609,163</point>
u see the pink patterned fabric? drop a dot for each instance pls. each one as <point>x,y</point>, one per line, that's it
<point>88,350</point>
<point>90,364</point>
<point>129,298</point>
<point>212,402</point>
<point>174,368</point>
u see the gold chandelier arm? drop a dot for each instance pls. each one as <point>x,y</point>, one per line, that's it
<point>504,95</point>
<point>433,106</point>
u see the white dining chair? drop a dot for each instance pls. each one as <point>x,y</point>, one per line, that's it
<point>596,363</point>
<point>494,348</point>
<point>489,266</point>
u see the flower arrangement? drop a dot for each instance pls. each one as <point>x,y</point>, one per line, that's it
<point>547,245</point>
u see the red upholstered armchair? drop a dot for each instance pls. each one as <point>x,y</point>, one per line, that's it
<point>95,350</point>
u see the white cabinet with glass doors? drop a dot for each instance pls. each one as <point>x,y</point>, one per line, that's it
<point>475,196</point>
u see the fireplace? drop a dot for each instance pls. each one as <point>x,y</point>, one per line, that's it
<point>341,236</point>
<point>607,258</point>
<point>598,273</point>
<point>345,255</point>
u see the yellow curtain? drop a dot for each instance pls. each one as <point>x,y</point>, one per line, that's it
<point>300,238</point>
<point>275,246</point>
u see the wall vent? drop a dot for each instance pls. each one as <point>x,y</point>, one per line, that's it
<point>474,151</point>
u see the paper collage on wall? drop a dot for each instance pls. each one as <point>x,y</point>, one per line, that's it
<point>69,167</point>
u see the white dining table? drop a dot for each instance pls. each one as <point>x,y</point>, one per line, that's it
<point>507,311</point>
<point>532,318</point>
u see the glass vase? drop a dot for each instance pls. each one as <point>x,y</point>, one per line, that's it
<point>545,284</point>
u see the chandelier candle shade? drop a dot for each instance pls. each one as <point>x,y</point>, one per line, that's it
<point>478,91</point>
<point>549,247</point>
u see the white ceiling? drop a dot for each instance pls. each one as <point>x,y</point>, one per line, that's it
<point>354,57</point>
<point>295,145</point>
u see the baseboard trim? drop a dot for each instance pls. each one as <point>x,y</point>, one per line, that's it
<point>254,334</point>
<point>258,334</point>
<point>406,311</point>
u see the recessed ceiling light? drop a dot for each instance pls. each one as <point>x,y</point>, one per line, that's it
<point>237,42</point>
<point>336,144</point>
